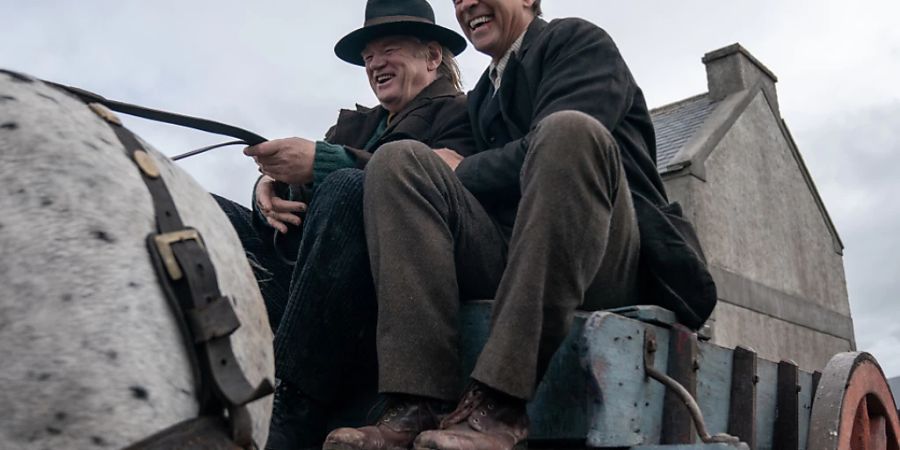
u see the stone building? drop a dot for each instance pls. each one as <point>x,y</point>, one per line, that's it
<point>728,157</point>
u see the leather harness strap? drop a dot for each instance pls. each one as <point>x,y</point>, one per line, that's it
<point>206,318</point>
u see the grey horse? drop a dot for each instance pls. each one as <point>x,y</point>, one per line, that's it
<point>91,355</point>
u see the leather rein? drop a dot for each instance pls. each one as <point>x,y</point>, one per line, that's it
<point>244,137</point>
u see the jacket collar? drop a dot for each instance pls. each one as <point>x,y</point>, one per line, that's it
<point>352,124</point>
<point>483,88</point>
<point>439,88</point>
<point>534,30</point>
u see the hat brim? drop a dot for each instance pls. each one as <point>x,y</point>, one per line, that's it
<point>350,47</point>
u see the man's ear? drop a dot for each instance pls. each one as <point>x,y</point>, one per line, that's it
<point>435,55</point>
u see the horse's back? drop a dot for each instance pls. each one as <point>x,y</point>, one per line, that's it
<point>92,355</point>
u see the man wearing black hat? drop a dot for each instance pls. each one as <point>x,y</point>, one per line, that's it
<point>323,308</point>
<point>543,218</point>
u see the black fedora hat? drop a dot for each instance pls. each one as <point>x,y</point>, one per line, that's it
<point>396,17</point>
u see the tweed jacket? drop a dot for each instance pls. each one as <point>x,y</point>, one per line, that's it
<point>437,117</point>
<point>571,64</point>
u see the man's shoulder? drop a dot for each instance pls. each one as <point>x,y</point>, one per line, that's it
<point>441,100</point>
<point>360,109</point>
<point>436,111</point>
<point>573,27</point>
<point>428,111</point>
<point>567,36</point>
<point>456,100</point>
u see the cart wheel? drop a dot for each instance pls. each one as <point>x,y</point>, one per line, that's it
<point>853,408</point>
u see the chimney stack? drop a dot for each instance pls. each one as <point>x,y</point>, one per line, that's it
<point>733,69</point>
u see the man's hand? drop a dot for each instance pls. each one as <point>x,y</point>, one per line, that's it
<point>450,157</point>
<point>286,160</point>
<point>278,211</point>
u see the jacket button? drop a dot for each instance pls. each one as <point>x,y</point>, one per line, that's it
<point>492,139</point>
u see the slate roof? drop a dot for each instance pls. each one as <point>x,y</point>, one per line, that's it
<point>676,123</point>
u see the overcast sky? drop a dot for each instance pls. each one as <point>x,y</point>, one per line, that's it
<point>269,66</point>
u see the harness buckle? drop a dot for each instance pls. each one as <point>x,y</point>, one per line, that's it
<point>164,243</point>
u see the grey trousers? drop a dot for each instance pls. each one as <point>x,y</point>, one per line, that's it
<point>432,244</point>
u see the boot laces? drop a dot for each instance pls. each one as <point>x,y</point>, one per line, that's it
<point>473,399</point>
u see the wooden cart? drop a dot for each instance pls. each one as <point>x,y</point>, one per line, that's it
<point>635,379</point>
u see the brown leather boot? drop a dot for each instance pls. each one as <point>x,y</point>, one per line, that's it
<point>403,419</point>
<point>485,419</point>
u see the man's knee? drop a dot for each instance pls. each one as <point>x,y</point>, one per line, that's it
<point>568,122</point>
<point>396,164</point>
<point>395,156</point>
<point>343,183</point>
<point>575,131</point>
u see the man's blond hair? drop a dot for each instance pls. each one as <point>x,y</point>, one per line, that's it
<point>448,69</point>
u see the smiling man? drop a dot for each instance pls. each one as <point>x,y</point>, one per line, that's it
<point>544,218</point>
<point>322,308</point>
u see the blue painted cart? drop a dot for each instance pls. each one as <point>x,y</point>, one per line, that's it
<point>635,379</point>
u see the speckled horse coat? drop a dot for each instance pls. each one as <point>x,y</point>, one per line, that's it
<point>90,353</point>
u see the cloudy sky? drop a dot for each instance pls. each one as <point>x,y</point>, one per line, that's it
<point>268,66</point>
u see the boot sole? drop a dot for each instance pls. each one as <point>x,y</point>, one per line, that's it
<point>338,446</point>
<point>343,446</point>
<point>520,446</point>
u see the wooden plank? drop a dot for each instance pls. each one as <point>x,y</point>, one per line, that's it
<point>648,314</point>
<point>742,408</point>
<point>816,376</point>
<point>766,396</point>
<point>714,386</point>
<point>626,405</point>
<point>677,426</point>
<point>787,435</point>
<point>805,402</point>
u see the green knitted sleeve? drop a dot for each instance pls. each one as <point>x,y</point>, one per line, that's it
<point>329,157</point>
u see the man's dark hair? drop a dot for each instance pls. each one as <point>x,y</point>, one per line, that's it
<point>536,8</point>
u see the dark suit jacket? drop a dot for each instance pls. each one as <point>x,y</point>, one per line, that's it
<point>568,64</point>
<point>571,64</point>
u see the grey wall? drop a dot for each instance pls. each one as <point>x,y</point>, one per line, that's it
<point>895,389</point>
<point>781,281</point>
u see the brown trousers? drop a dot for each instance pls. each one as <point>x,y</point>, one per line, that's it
<point>574,245</point>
